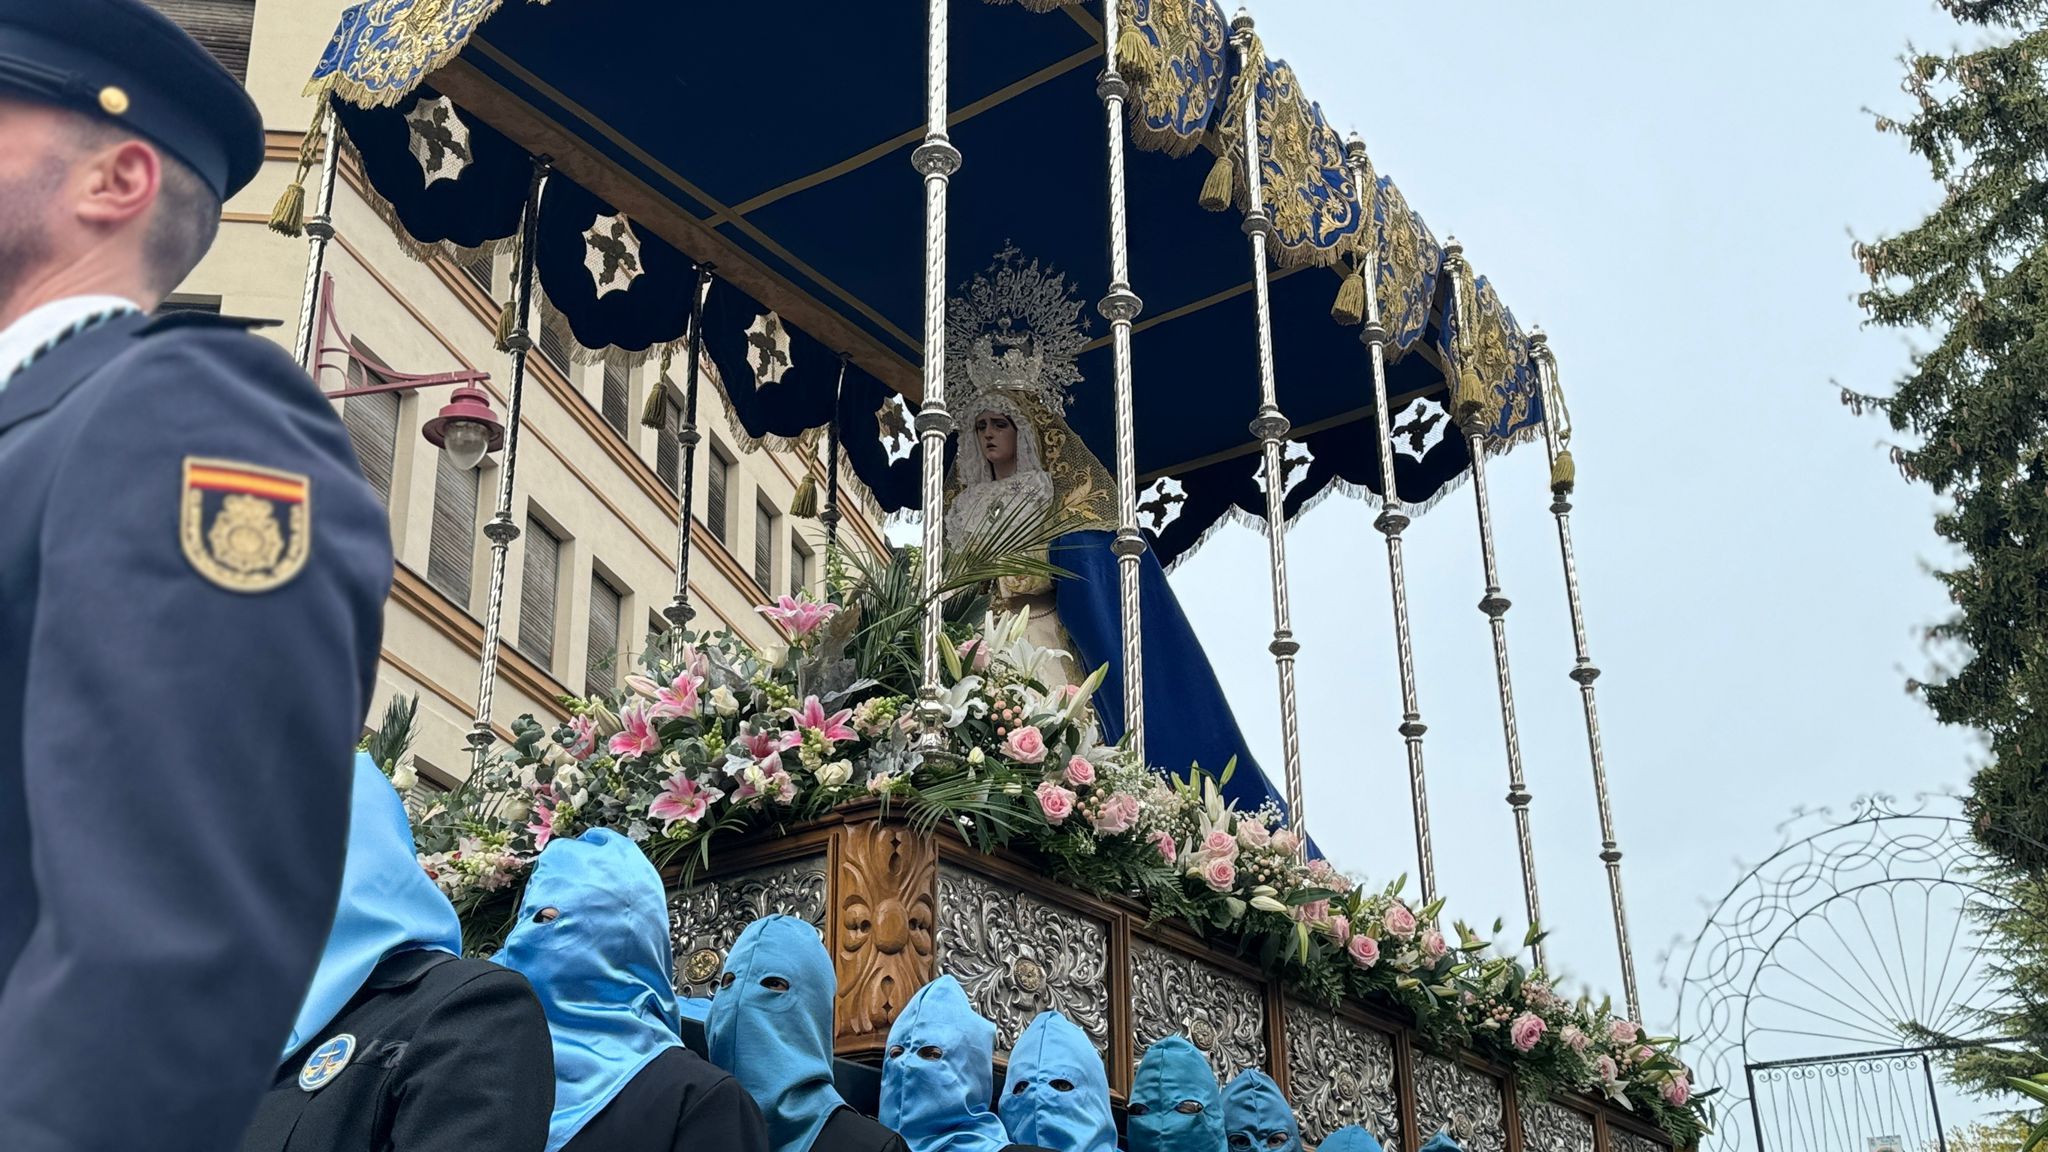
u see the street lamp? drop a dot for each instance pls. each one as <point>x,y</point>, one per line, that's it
<point>466,428</point>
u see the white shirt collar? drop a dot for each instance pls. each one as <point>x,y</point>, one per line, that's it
<point>21,339</point>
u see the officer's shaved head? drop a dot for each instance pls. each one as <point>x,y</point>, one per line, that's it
<point>186,219</point>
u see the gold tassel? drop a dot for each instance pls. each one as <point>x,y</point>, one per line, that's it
<point>1134,59</point>
<point>804,505</point>
<point>1563,473</point>
<point>1349,310</point>
<point>289,217</point>
<point>1222,182</point>
<point>508,320</point>
<point>654,413</point>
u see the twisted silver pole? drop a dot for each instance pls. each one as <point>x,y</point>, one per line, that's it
<point>1271,427</point>
<point>1391,522</point>
<point>1563,479</point>
<point>501,530</point>
<point>1472,421</point>
<point>936,159</point>
<point>319,230</point>
<point>830,516</point>
<point>1120,306</point>
<point>679,613</point>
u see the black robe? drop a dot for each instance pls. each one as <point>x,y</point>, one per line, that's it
<point>680,1102</point>
<point>849,1131</point>
<point>449,1054</point>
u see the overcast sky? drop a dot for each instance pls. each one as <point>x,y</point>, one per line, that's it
<point>1669,190</point>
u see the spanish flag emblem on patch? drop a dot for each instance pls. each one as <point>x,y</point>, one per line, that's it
<point>245,528</point>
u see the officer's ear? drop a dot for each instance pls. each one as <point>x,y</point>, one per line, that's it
<point>116,180</point>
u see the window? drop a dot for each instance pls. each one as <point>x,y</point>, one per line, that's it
<point>537,593</point>
<point>668,451</point>
<point>601,673</point>
<point>480,265</point>
<point>764,544</point>
<point>427,791</point>
<point>618,396</point>
<point>718,483</point>
<point>372,423</point>
<point>556,340</point>
<point>452,543</point>
<point>799,566</point>
<point>221,27</point>
<point>657,626</point>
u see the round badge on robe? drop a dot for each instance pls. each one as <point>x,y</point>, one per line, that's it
<point>326,1062</point>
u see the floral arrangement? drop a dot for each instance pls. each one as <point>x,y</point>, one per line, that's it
<point>710,737</point>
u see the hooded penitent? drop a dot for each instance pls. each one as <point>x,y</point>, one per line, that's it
<point>1354,1138</point>
<point>1057,1094</point>
<point>939,1072</point>
<point>388,905</point>
<point>771,1027</point>
<point>1257,1116</point>
<point>592,938</point>
<point>1442,1142</point>
<point>1176,1104</point>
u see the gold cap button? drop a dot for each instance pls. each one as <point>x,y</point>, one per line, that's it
<point>114,100</point>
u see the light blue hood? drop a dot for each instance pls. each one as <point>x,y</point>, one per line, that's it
<point>1176,1104</point>
<point>771,1027</point>
<point>1256,1115</point>
<point>1053,1051</point>
<point>601,968</point>
<point>939,1073</point>
<point>1354,1138</point>
<point>388,905</point>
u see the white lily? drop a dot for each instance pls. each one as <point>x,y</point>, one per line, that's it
<point>958,701</point>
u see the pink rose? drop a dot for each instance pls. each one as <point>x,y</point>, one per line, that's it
<point>1677,1090</point>
<point>1219,845</point>
<point>1025,745</point>
<point>976,653</point>
<point>1118,813</point>
<point>1365,951</point>
<point>1527,1029</point>
<point>1069,691</point>
<point>1434,945</point>
<point>1623,1031</point>
<point>1220,874</point>
<point>1253,834</point>
<point>1164,843</point>
<point>1285,840</point>
<point>1080,771</point>
<point>1056,802</point>
<point>1314,912</point>
<point>1644,1053</point>
<point>1323,873</point>
<point>1340,928</point>
<point>1576,1039</point>
<point>1605,1066</point>
<point>1399,920</point>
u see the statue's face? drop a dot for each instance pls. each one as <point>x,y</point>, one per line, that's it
<point>998,436</point>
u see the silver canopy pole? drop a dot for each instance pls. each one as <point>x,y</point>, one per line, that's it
<point>1392,520</point>
<point>936,160</point>
<point>1121,306</point>
<point>679,612</point>
<point>319,230</point>
<point>1563,480</point>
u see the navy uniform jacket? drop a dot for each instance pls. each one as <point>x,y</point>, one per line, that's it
<point>680,1102</point>
<point>192,578</point>
<point>449,1055</point>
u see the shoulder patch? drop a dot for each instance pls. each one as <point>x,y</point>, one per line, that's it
<point>326,1062</point>
<point>243,527</point>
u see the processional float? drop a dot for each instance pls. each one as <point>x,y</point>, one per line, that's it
<point>759,220</point>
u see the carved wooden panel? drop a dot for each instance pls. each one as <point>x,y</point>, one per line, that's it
<point>1176,994</point>
<point>1621,1139</point>
<point>1464,1100</point>
<point>704,920</point>
<point>1017,956</point>
<point>1548,1127</point>
<point>884,903</point>
<point>1341,1073</point>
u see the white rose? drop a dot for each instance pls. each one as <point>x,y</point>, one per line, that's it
<point>518,809</point>
<point>404,777</point>
<point>835,774</point>
<point>724,702</point>
<point>976,756</point>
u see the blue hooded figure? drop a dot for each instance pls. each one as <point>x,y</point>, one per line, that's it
<point>1057,1094</point>
<point>592,937</point>
<point>1176,1104</point>
<point>1442,1142</point>
<point>939,1074</point>
<point>771,1027</point>
<point>1354,1138</point>
<point>1257,1116</point>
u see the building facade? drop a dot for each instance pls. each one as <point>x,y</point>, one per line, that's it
<point>596,498</point>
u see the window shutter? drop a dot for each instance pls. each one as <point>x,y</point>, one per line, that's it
<point>799,568</point>
<point>601,674</point>
<point>537,594</point>
<point>668,451</point>
<point>452,543</point>
<point>372,423</point>
<point>618,389</point>
<point>221,27</point>
<point>480,265</point>
<point>426,792</point>
<point>764,545</point>
<point>556,340</point>
<point>718,476</point>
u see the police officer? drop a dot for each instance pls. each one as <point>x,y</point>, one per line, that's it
<point>192,578</point>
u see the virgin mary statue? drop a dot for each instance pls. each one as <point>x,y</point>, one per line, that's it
<point>1012,341</point>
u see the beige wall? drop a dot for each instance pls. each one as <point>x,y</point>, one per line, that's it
<point>597,489</point>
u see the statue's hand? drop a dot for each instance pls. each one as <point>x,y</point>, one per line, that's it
<point>1012,587</point>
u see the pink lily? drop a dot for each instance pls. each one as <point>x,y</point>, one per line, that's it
<point>801,617</point>
<point>583,736</point>
<point>762,746</point>
<point>811,717</point>
<point>636,736</point>
<point>543,826</point>
<point>682,799</point>
<point>678,699</point>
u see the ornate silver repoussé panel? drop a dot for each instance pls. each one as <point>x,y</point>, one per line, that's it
<point>1017,956</point>
<point>1548,1127</point>
<point>1467,1101</point>
<point>1341,1073</point>
<point>1623,1140</point>
<point>705,920</point>
<point>1219,1013</point>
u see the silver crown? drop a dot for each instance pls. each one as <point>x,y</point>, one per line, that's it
<point>1016,331</point>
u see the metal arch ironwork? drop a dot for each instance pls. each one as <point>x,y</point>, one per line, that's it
<point>1823,868</point>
